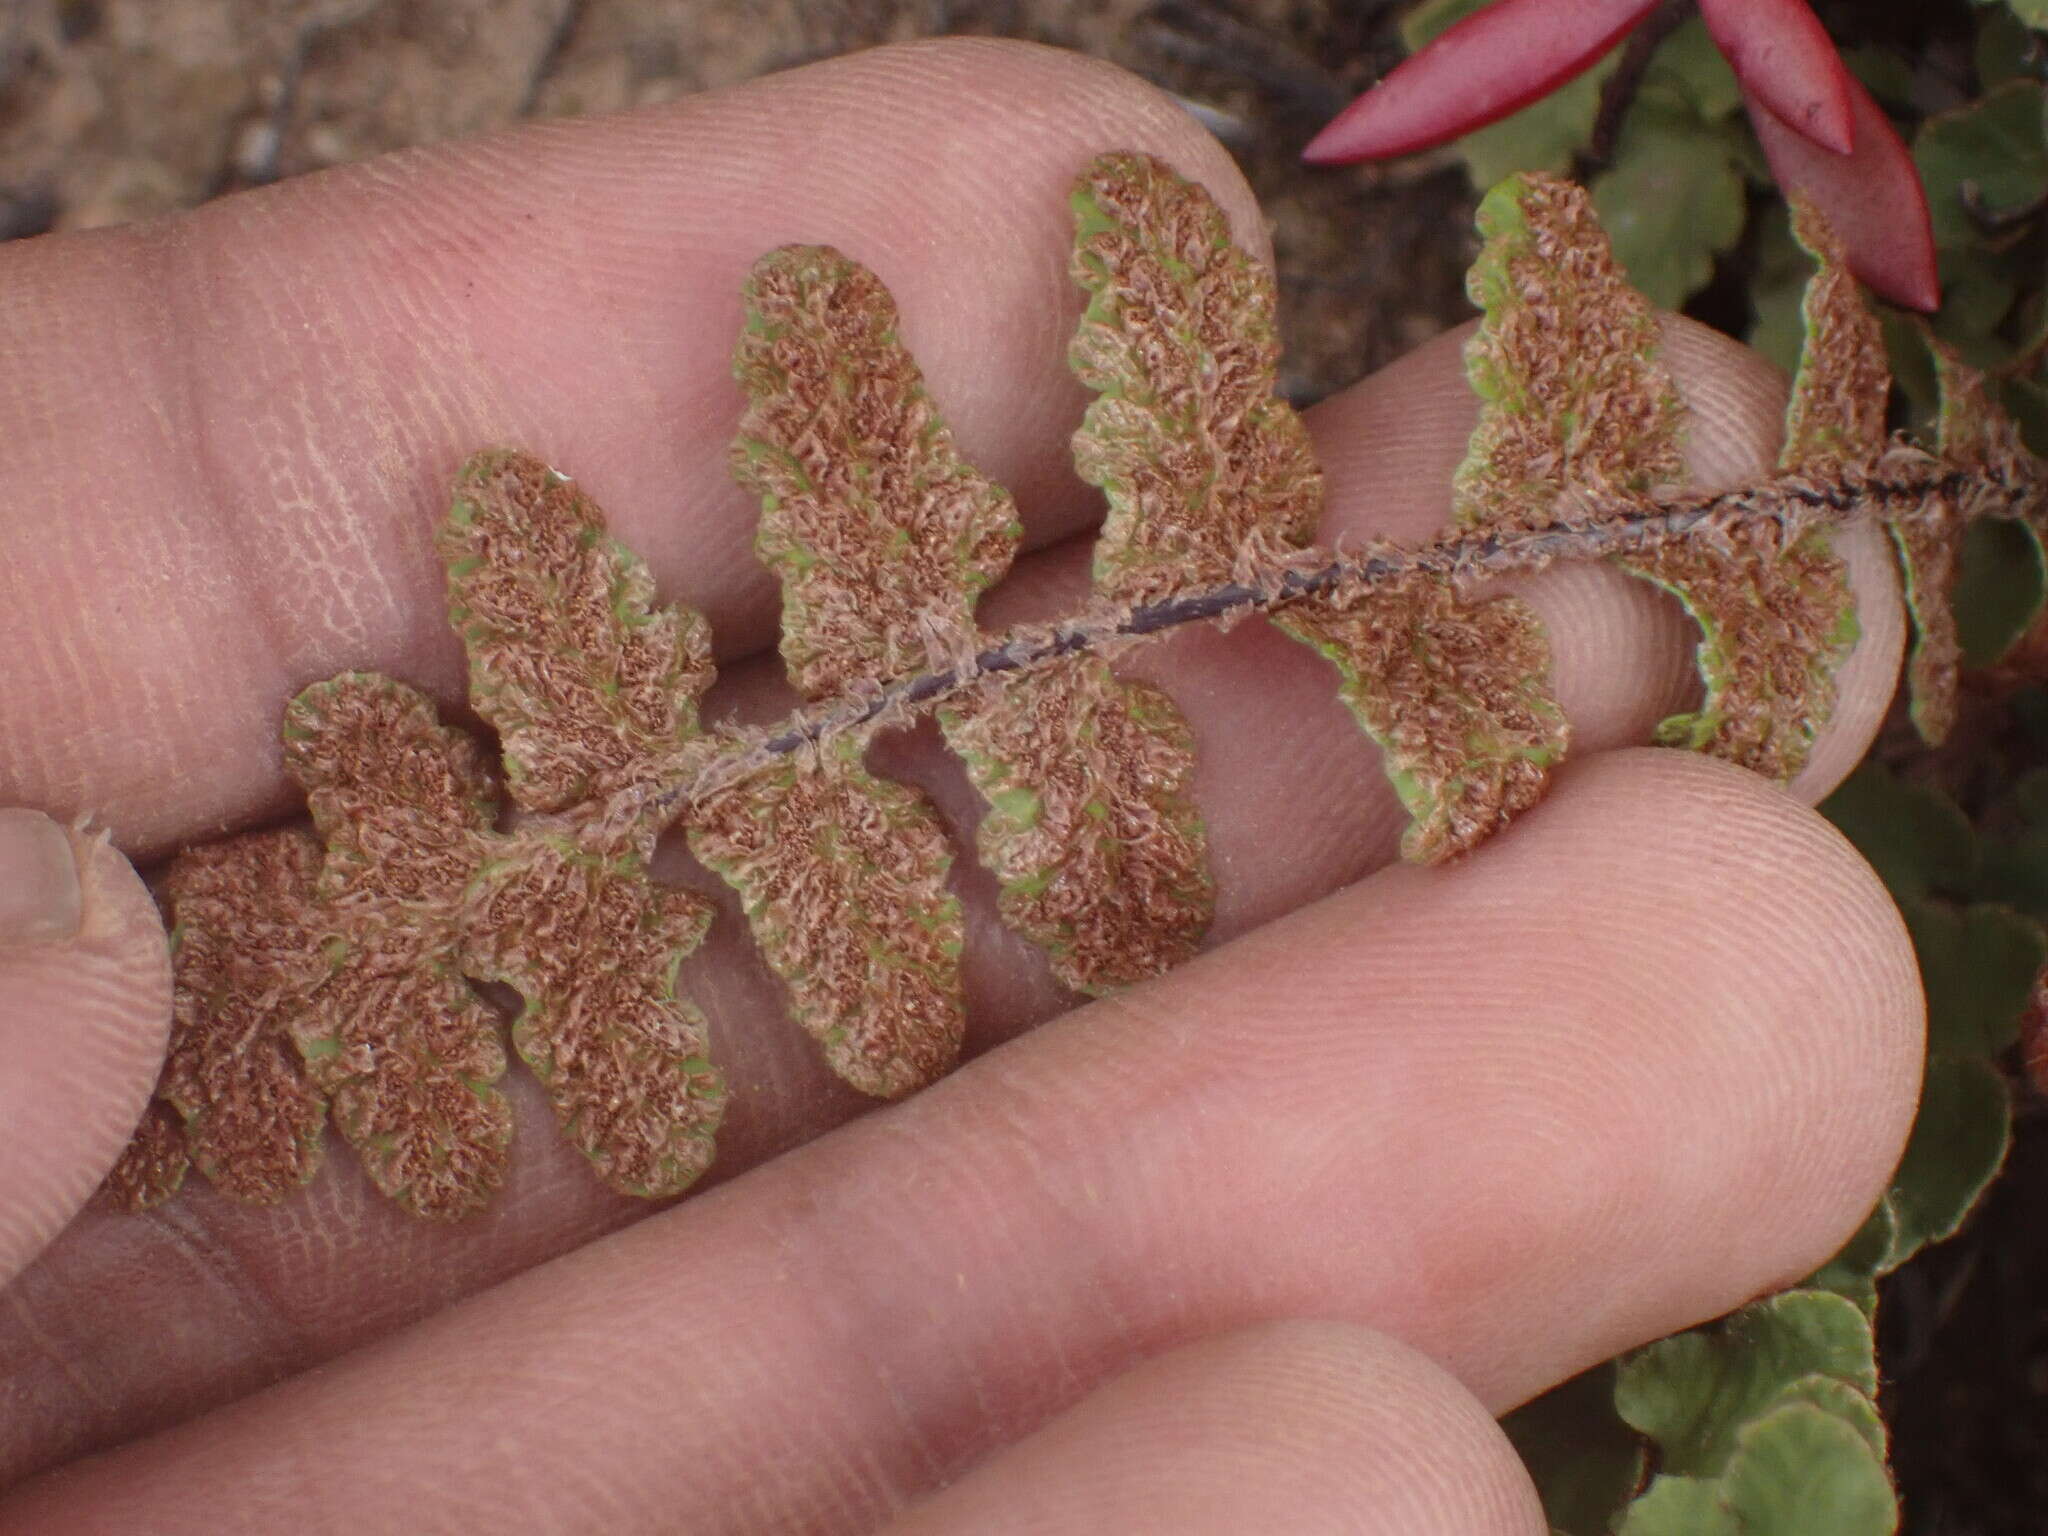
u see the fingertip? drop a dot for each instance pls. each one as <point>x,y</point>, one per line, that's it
<point>1792,1031</point>
<point>251,412</point>
<point>1299,1425</point>
<point>1623,653</point>
<point>1734,421</point>
<point>84,1008</point>
<point>1653,1051</point>
<point>42,900</point>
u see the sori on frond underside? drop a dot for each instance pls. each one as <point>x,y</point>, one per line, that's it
<point>328,973</point>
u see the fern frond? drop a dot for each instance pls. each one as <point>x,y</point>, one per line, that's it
<point>331,976</point>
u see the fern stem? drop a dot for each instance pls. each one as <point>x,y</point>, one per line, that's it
<point>1903,482</point>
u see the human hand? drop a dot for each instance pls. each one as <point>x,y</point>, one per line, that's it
<point>1650,1052</point>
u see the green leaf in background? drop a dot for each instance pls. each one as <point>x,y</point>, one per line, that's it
<point>1916,838</point>
<point>1999,590</point>
<point>2033,13</point>
<point>2030,795</point>
<point>1841,1401</point>
<point>1671,201</point>
<point>1764,1423</point>
<point>2016,866</point>
<point>1980,161</point>
<point>1913,372</point>
<point>1672,198</point>
<point>1996,145</point>
<point>1778,329</point>
<point>1689,66</point>
<point>2027,403</point>
<point>1853,1272</point>
<point>1682,1506</point>
<point>1693,1392</point>
<point>1543,136</point>
<point>1978,288</point>
<point>2030,715</point>
<point>1804,1469</point>
<point>1807,1468</point>
<point>1978,964</point>
<point>1959,1139</point>
<point>2004,46</point>
<point>1887,75</point>
<point>1584,1460</point>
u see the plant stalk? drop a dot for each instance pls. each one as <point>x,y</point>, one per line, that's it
<point>1906,481</point>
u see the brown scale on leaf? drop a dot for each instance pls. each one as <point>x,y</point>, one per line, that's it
<point>1090,827</point>
<point>584,679</point>
<point>1975,433</point>
<point>233,1095</point>
<point>339,970</point>
<point>1972,431</point>
<point>1186,438</point>
<point>881,534</point>
<point>393,1033</point>
<point>1778,619</point>
<point>1596,416</point>
<point>593,949</point>
<point>883,538</point>
<point>1456,694</point>
<point>151,1168</point>
<point>243,964</point>
<point>1836,418</point>
<point>409,1059</point>
<point>844,879</point>
<point>1565,363</point>
<point>1776,627</point>
<point>1929,540</point>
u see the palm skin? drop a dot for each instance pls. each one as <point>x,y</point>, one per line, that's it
<point>1260,1245</point>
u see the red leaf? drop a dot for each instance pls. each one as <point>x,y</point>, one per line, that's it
<point>1871,197</point>
<point>1780,51</point>
<point>1475,73</point>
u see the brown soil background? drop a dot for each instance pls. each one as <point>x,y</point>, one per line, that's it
<point>114,110</point>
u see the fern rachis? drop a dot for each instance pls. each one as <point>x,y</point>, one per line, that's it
<point>325,962</point>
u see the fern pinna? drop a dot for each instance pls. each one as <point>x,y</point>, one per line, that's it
<point>327,973</point>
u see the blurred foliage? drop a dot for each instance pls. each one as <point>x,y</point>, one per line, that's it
<point>1684,192</point>
<point>1765,1422</point>
<point>1671,197</point>
<point>1999,591</point>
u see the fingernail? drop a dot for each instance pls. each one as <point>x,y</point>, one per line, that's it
<point>40,899</point>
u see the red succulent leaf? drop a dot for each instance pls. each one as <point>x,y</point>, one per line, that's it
<point>1475,73</point>
<point>1871,196</point>
<point>1784,58</point>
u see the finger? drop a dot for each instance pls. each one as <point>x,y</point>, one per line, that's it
<point>1652,1055</point>
<point>1288,812</point>
<point>250,416</point>
<point>1295,803</point>
<point>85,1002</point>
<point>223,1298</point>
<point>1623,650</point>
<point>1296,1427</point>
